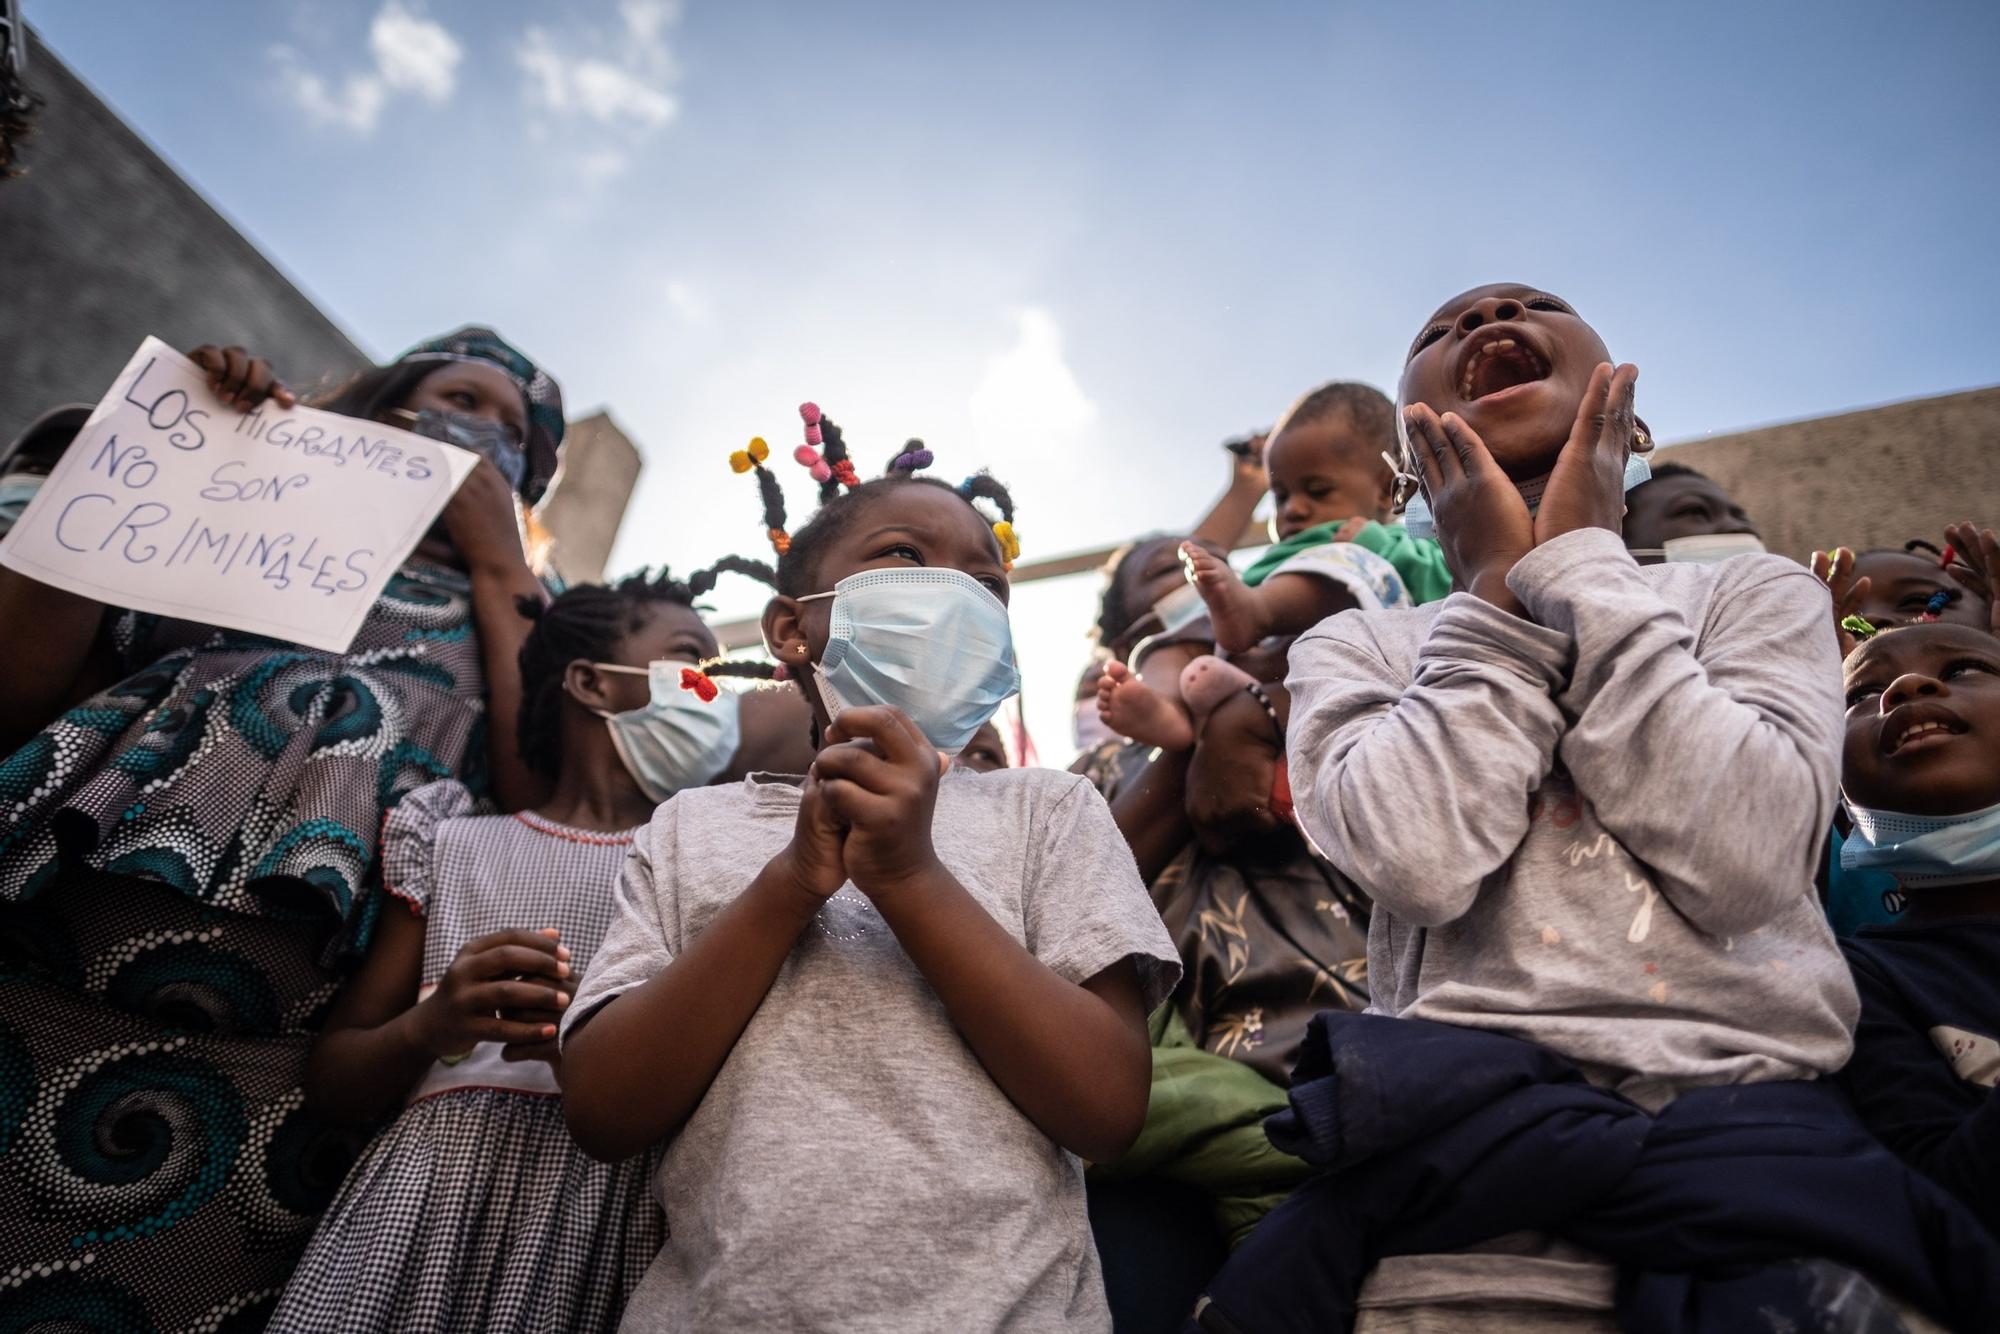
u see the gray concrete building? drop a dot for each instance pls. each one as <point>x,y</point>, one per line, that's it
<point>104,243</point>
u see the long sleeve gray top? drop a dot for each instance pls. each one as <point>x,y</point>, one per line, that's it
<point>1594,827</point>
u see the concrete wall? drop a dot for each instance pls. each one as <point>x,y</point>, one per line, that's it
<point>102,243</point>
<point>584,508</point>
<point>1871,478</point>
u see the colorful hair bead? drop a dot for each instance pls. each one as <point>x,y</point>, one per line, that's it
<point>914,459</point>
<point>1010,544</point>
<point>743,460</point>
<point>1857,626</point>
<point>809,413</point>
<point>805,456</point>
<point>1939,601</point>
<point>704,689</point>
<point>781,541</point>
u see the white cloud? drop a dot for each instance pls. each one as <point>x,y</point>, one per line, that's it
<point>1028,398</point>
<point>616,84</point>
<point>411,55</point>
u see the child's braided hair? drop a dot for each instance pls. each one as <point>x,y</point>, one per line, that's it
<point>587,622</point>
<point>843,494</point>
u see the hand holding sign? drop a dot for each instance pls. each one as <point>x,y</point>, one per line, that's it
<point>283,521</point>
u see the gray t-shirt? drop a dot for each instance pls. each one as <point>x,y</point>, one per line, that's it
<point>853,1166</point>
<point>1595,828</point>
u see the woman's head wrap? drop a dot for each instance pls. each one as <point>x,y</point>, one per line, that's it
<point>542,394</point>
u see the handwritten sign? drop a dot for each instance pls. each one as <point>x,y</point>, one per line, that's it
<point>282,522</point>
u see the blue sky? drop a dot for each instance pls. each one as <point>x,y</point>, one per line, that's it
<point>1082,244</point>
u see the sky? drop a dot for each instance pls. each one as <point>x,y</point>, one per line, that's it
<point>1080,245</point>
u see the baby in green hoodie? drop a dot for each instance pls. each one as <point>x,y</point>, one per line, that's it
<point>1333,549</point>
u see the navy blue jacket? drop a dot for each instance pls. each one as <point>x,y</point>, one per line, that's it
<point>1433,1138</point>
<point>1927,1052</point>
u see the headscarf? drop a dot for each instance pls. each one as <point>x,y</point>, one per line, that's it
<point>543,395</point>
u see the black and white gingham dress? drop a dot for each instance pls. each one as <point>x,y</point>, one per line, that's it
<point>475,1210</point>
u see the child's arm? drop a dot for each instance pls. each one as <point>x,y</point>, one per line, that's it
<point>1415,781</point>
<point>633,1072</point>
<point>377,1045</point>
<point>1073,1056</point>
<point>1912,1100</point>
<point>1716,767</point>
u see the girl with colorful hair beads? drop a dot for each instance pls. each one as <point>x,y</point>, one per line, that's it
<point>876,1013</point>
<point>474,1210</point>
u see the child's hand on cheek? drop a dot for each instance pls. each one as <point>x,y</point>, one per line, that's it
<point>1587,488</point>
<point>879,775</point>
<point>1483,525</point>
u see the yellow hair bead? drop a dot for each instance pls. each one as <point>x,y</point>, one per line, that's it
<point>758,449</point>
<point>740,461</point>
<point>1010,545</point>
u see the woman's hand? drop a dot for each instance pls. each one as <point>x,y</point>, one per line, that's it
<point>880,777</point>
<point>1835,569</point>
<point>1483,525</point>
<point>488,986</point>
<point>1977,565</point>
<point>482,523</point>
<point>239,379</point>
<point>1587,488</point>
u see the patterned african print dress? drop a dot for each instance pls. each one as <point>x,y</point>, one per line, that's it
<point>183,857</point>
<point>476,1210</point>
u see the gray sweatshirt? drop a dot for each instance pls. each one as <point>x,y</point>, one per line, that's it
<point>1594,828</point>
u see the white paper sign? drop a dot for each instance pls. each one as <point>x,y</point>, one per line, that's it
<point>282,522</point>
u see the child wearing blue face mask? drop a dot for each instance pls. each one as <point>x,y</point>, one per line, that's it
<point>474,1209</point>
<point>1921,778</point>
<point>876,1014</point>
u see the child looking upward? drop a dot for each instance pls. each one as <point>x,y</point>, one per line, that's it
<point>1586,798</point>
<point>1921,778</point>
<point>878,1013</point>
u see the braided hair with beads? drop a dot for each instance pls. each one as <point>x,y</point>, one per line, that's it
<point>824,456</point>
<point>587,622</point>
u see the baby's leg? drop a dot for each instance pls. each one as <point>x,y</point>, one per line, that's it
<point>1294,603</point>
<point>1206,682</point>
<point>1234,608</point>
<point>1134,709</point>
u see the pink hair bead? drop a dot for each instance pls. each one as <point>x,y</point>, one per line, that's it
<point>809,411</point>
<point>806,455</point>
<point>812,434</point>
<point>820,472</point>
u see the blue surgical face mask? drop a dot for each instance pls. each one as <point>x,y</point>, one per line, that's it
<point>678,739</point>
<point>15,493</point>
<point>494,441</point>
<point>1922,850</point>
<point>1417,520</point>
<point>934,643</point>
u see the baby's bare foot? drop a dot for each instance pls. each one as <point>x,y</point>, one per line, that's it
<point>1233,606</point>
<point>1133,709</point>
<point>1206,682</point>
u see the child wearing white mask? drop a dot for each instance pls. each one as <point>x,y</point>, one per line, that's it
<point>876,1014</point>
<point>1680,516</point>
<point>1921,779</point>
<point>474,1209</point>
